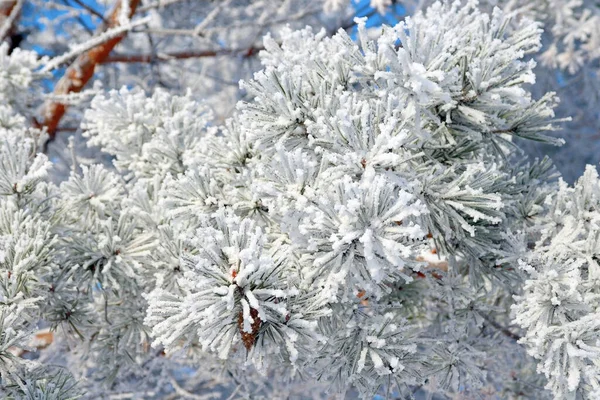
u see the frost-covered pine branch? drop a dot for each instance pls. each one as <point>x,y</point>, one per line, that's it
<point>560,305</point>
<point>363,224</point>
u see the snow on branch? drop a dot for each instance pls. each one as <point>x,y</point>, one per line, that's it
<point>10,10</point>
<point>364,221</point>
<point>92,43</point>
<point>88,56</point>
<point>159,4</point>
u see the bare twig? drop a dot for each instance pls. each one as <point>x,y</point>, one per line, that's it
<point>159,4</point>
<point>91,44</point>
<point>199,29</point>
<point>505,331</point>
<point>185,394</point>
<point>90,10</point>
<point>146,58</point>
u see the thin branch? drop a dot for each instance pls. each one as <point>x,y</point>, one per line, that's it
<point>68,129</point>
<point>146,58</point>
<point>159,4</point>
<point>82,69</point>
<point>199,29</point>
<point>167,31</point>
<point>91,10</point>
<point>111,34</point>
<point>182,392</point>
<point>79,18</point>
<point>505,331</point>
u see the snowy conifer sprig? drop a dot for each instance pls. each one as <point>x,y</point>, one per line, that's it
<point>149,136</point>
<point>364,220</point>
<point>560,306</point>
<point>233,294</point>
<point>357,161</point>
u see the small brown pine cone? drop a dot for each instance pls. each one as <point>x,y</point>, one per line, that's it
<point>249,338</point>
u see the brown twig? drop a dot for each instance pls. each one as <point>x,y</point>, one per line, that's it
<point>146,58</point>
<point>82,69</point>
<point>505,331</point>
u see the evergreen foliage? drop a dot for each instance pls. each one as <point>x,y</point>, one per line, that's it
<point>364,224</point>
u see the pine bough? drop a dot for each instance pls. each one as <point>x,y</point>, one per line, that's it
<point>366,220</point>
